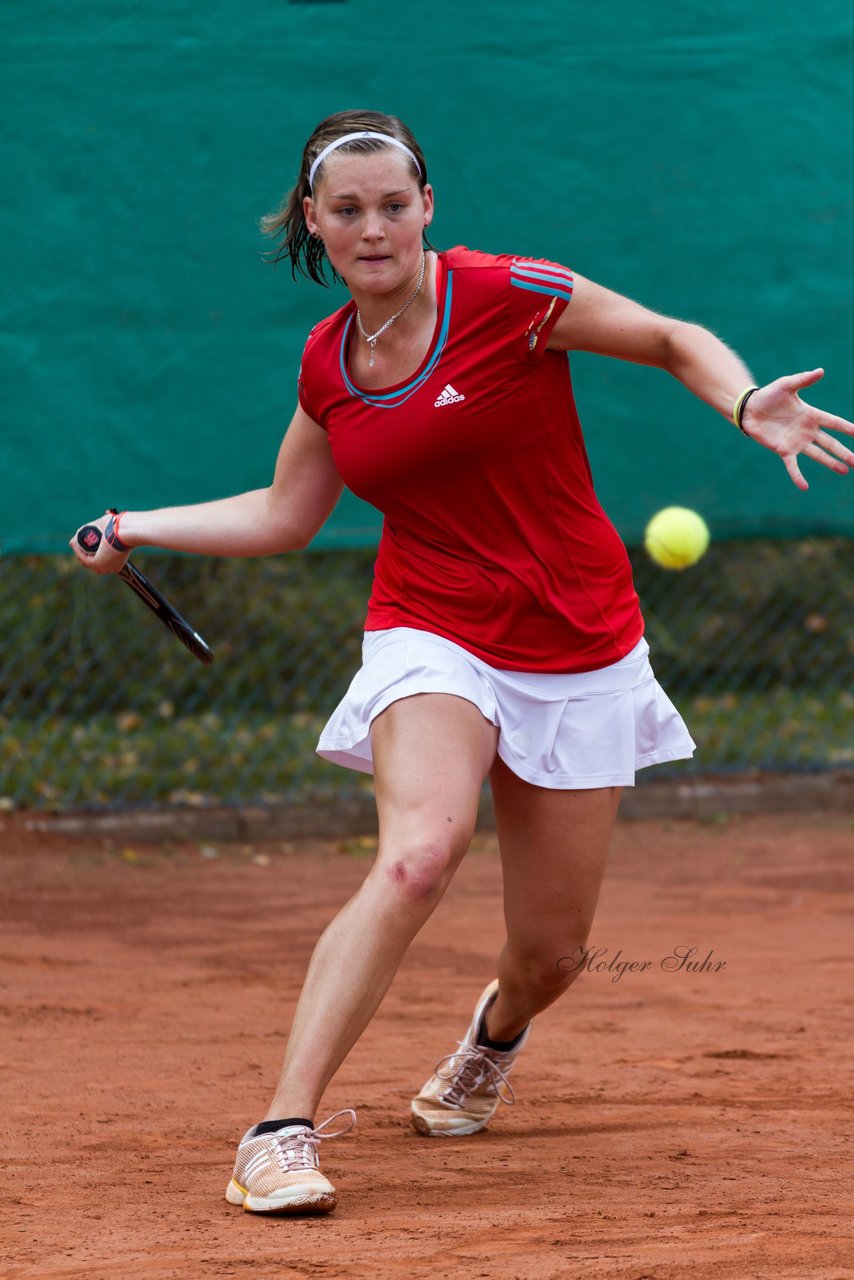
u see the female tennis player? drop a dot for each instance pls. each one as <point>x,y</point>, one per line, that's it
<point>503,638</point>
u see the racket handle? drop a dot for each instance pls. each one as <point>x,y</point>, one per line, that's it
<point>89,538</point>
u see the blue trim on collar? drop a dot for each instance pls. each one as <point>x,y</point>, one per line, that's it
<point>391,399</point>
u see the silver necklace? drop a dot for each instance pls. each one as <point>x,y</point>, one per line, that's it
<point>372,337</point>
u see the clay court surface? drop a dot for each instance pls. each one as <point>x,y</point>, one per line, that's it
<point>669,1123</point>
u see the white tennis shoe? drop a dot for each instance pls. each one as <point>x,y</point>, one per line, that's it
<point>467,1085</point>
<point>280,1172</point>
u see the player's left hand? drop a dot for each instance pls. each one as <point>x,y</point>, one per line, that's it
<point>777,418</point>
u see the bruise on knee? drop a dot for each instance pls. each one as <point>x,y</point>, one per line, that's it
<point>424,873</point>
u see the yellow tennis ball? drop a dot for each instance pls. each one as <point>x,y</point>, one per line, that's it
<point>676,537</point>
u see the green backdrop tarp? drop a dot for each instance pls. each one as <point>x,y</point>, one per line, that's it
<point>696,158</point>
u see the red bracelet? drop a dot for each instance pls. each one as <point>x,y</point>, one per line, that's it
<point>111,533</point>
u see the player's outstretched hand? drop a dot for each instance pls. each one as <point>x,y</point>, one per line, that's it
<point>105,559</point>
<point>777,418</point>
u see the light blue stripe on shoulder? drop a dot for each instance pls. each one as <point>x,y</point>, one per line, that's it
<point>555,277</point>
<point>530,264</point>
<point>549,290</point>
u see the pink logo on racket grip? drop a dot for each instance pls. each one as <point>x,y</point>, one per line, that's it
<point>91,538</point>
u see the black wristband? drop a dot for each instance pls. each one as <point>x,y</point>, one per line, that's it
<point>739,422</point>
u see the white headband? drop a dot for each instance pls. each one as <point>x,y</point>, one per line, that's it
<point>351,137</point>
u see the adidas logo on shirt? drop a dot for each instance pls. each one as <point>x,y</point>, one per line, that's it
<point>448,396</point>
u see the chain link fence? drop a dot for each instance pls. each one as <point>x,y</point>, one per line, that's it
<point>100,707</point>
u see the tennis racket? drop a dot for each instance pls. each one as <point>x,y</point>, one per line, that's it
<point>89,539</point>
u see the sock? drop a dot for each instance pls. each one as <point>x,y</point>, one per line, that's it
<point>270,1126</point>
<point>502,1046</point>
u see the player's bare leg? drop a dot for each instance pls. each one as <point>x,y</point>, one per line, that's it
<point>554,846</point>
<point>431,755</point>
<point>553,849</point>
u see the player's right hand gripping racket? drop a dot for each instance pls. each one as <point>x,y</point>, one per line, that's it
<point>89,539</point>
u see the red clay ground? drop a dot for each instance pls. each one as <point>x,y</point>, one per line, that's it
<point>668,1124</point>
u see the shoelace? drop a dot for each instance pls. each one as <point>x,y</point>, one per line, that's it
<point>476,1068</point>
<point>299,1150</point>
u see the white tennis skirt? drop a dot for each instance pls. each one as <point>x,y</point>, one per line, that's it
<point>568,732</point>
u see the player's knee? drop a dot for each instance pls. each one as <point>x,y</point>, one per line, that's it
<point>423,870</point>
